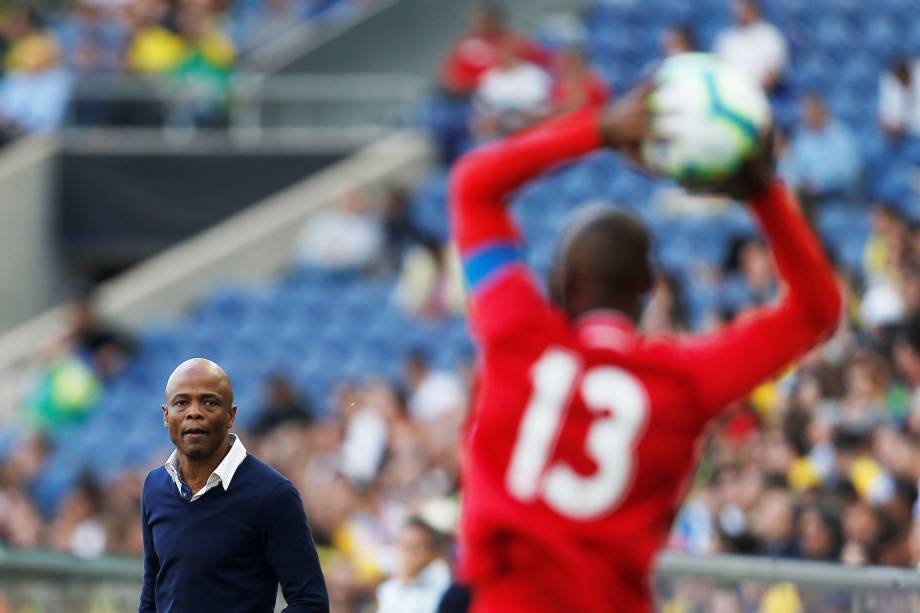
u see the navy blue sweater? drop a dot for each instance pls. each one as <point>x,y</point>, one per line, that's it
<point>229,550</point>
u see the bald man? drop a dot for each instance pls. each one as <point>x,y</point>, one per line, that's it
<point>221,529</point>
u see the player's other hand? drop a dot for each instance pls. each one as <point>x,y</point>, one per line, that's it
<point>625,123</point>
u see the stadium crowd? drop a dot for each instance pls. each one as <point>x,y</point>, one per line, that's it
<point>189,48</point>
<point>822,463</point>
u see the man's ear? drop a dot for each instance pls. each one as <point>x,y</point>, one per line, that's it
<point>164,415</point>
<point>232,417</point>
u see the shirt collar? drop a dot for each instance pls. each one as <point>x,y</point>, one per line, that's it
<point>224,471</point>
<point>605,329</point>
<point>437,572</point>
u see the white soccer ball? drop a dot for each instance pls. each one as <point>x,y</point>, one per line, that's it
<point>707,118</point>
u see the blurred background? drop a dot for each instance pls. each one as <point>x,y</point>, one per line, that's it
<point>262,182</point>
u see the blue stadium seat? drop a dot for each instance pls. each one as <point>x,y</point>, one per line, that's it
<point>811,73</point>
<point>834,35</point>
<point>881,35</point>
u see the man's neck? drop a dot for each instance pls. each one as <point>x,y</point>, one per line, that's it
<point>631,311</point>
<point>195,473</point>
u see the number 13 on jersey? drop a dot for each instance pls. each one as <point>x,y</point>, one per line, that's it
<point>609,441</point>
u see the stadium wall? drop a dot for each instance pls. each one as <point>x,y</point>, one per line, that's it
<point>30,273</point>
<point>251,245</point>
<point>117,208</point>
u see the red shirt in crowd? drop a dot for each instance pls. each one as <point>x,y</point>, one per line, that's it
<point>570,94</point>
<point>473,54</point>
<point>584,432</point>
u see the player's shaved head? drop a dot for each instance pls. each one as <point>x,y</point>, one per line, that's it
<point>200,373</point>
<point>602,262</point>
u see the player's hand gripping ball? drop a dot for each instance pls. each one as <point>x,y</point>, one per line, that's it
<point>707,119</point>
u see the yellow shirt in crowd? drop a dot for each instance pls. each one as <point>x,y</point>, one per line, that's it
<point>31,53</point>
<point>155,50</point>
<point>158,50</point>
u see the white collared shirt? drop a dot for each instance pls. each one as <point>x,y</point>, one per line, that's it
<point>222,475</point>
<point>420,596</point>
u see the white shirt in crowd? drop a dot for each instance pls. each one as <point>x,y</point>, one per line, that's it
<point>523,87</point>
<point>364,445</point>
<point>758,49</point>
<point>340,238</point>
<point>439,392</point>
<point>899,106</point>
<point>420,596</point>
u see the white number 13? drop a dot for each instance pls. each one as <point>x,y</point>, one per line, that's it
<point>609,439</point>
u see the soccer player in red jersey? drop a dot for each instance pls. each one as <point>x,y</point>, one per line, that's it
<point>583,437</point>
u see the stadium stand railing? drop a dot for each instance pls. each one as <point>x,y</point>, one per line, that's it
<point>39,580</point>
<point>300,109</point>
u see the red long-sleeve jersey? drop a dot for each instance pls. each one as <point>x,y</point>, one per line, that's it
<point>584,433</point>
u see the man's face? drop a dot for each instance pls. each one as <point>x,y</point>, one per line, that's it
<point>199,411</point>
<point>674,42</point>
<point>814,113</point>
<point>413,552</point>
<point>744,12</point>
<point>484,21</point>
<point>14,24</point>
<point>907,361</point>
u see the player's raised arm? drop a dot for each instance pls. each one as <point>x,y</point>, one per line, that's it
<point>481,181</point>
<point>728,364</point>
<point>504,296</point>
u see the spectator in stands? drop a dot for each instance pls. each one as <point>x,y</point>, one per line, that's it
<point>421,575</point>
<point>753,45</point>
<point>575,85</point>
<point>749,276</point>
<point>481,48</point>
<point>432,392</point>
<point>367,432</point>
<point>665,312</point>
<point>31,47</point>
<point>907,350</point>
<point>93,38</point>
<point>106,348</point>
<point>883,255</point>
<point>34,92</point>
<point>282,406</point>
<point>120,509</point>
<point>772,522</point>
<point>823,160</point>
<point>401,232</point>
<point>20,524</point>
<point>429,284</point>
<point>78,527</point>
<point>64,391</point>
<point>820,533</point>
<point>154,49</point>
<point>511,95</point>
<point>914,544</point>
<point>346,236</point>
<point>203,75</point>
<point>866,380</point>
<point>469,58</point>
<point>899,98</point>
<point>677,39</point>
<point>267,21</point>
